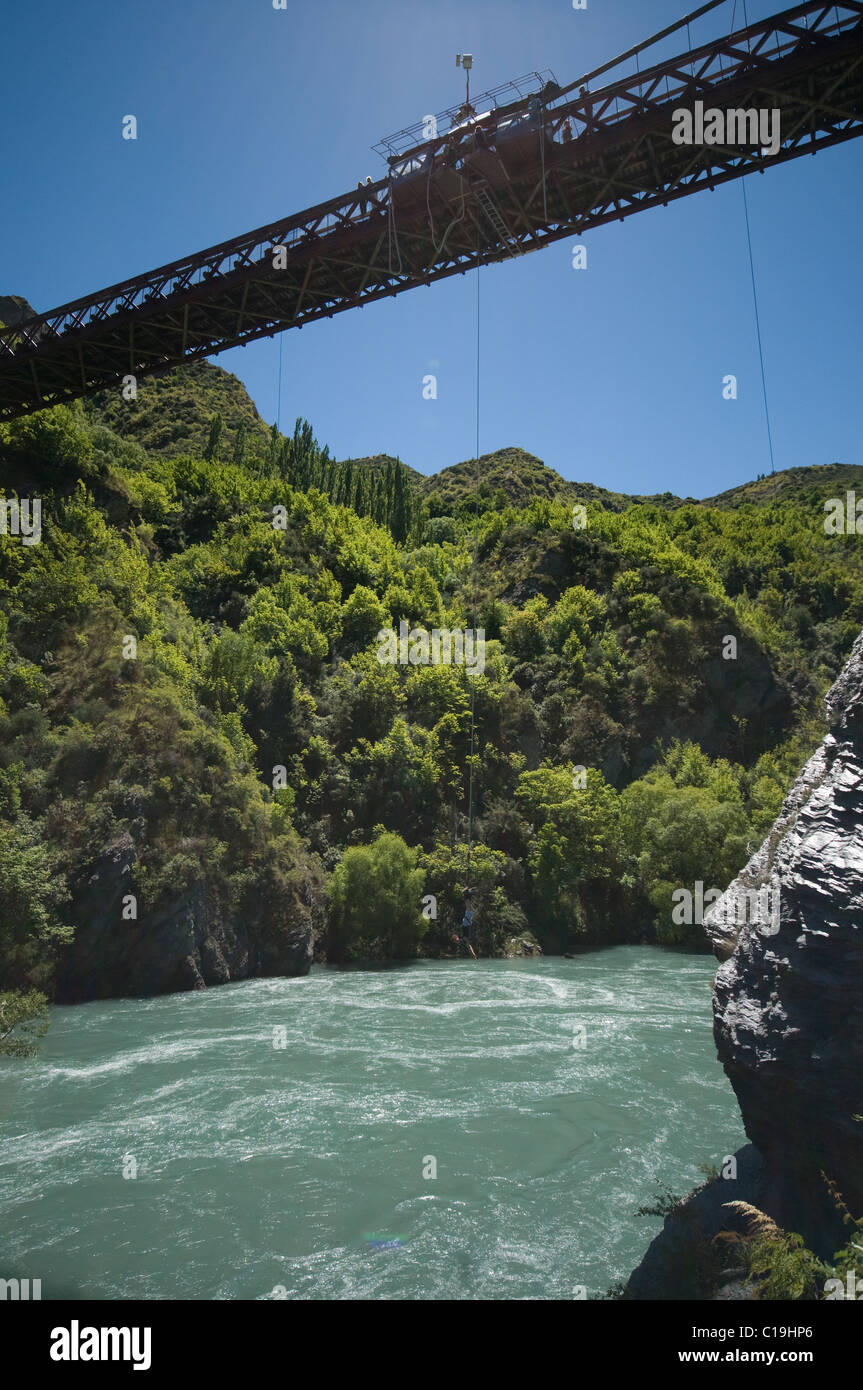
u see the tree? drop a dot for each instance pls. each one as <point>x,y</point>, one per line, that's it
<point>681,835</point>
<point>524,634</point>
<point>376,901</point>
<point>212,450</point>
<point>240,445</point>
<point>363,616</point>
<point>495,880</point>
<point>394,781</point>
<point>23,1021</point>
<point>30,931</point>
<point>273,455</point>
<point>400,517</point>
<point>575,850</point>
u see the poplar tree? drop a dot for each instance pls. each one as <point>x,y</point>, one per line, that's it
<point>212,450</point>
<point>240,445</point>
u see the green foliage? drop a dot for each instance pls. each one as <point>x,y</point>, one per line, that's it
<point>574,841</point>
<point>363,616</point>
<point>198,409</point>
<point>23,1021</point>
<point>33,890</point>
<point>575,618</point>
<point>524,634</point>
<point>666,1203</point>
<point>376,901</point>
<point>51,443</point>
<point>212,450</point>
<point>508,477</point>
<point>495,880</point>
<point>685,823</point>
<point>257,650</point>
<point>849,1259</point>
<point>784,1268</point>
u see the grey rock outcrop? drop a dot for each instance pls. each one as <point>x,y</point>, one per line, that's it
<point>191,942</point>
<point>788,1000</point>
<point>15,309</point>
<point>676,1265</point>
<point>788,1015</point>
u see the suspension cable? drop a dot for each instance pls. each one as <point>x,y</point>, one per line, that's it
<point>754,289</point>
<point>474,577</point>
<point>758,325</point>
<point>639,48</point>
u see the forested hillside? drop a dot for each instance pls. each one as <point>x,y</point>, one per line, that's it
<point>193,710</point>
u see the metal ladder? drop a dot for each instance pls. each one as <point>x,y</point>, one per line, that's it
<point>486,201</point>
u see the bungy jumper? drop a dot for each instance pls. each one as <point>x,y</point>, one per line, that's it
<point>467,922</point>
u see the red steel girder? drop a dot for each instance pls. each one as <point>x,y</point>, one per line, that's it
<point>373,242</point>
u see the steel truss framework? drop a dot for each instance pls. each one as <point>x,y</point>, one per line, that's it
<point>587,160</point>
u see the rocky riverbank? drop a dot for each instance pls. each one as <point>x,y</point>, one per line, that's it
<point>788,1009</point>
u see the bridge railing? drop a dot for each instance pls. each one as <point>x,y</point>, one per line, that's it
<point>693,74</point>
<point>507,94</point>
<point>297,234</point>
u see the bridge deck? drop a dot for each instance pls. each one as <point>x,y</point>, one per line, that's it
<point>500,187</point>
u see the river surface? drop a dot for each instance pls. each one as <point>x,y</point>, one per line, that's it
<point>439,1130</point>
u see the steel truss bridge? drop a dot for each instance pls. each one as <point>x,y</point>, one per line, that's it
<point>493,183</point>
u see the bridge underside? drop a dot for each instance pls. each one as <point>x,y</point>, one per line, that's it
<point>503,187</point>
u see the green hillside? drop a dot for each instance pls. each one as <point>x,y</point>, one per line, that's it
<point>14,309</point>
<point>607,649</point>
<point>173,414</point>
<point>803,486</point>
<point>377,463</point>
<point>513,476</point>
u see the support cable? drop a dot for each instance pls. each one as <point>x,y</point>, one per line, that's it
<point>639,48</point>
<point>474,576</point>
<point>439,249</point>
<point>758,325</point>
<point>754,289</point>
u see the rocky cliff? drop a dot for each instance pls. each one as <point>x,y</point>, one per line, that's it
<point>196,938</point>
<point>15,309</point>
<point>788,1012</point>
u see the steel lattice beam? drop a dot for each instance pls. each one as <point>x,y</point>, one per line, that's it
<point>599,157</point>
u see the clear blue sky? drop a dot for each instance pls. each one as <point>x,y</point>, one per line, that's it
<point>611,375</point>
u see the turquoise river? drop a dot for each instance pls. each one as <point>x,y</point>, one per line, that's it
<point>432,1131</point>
